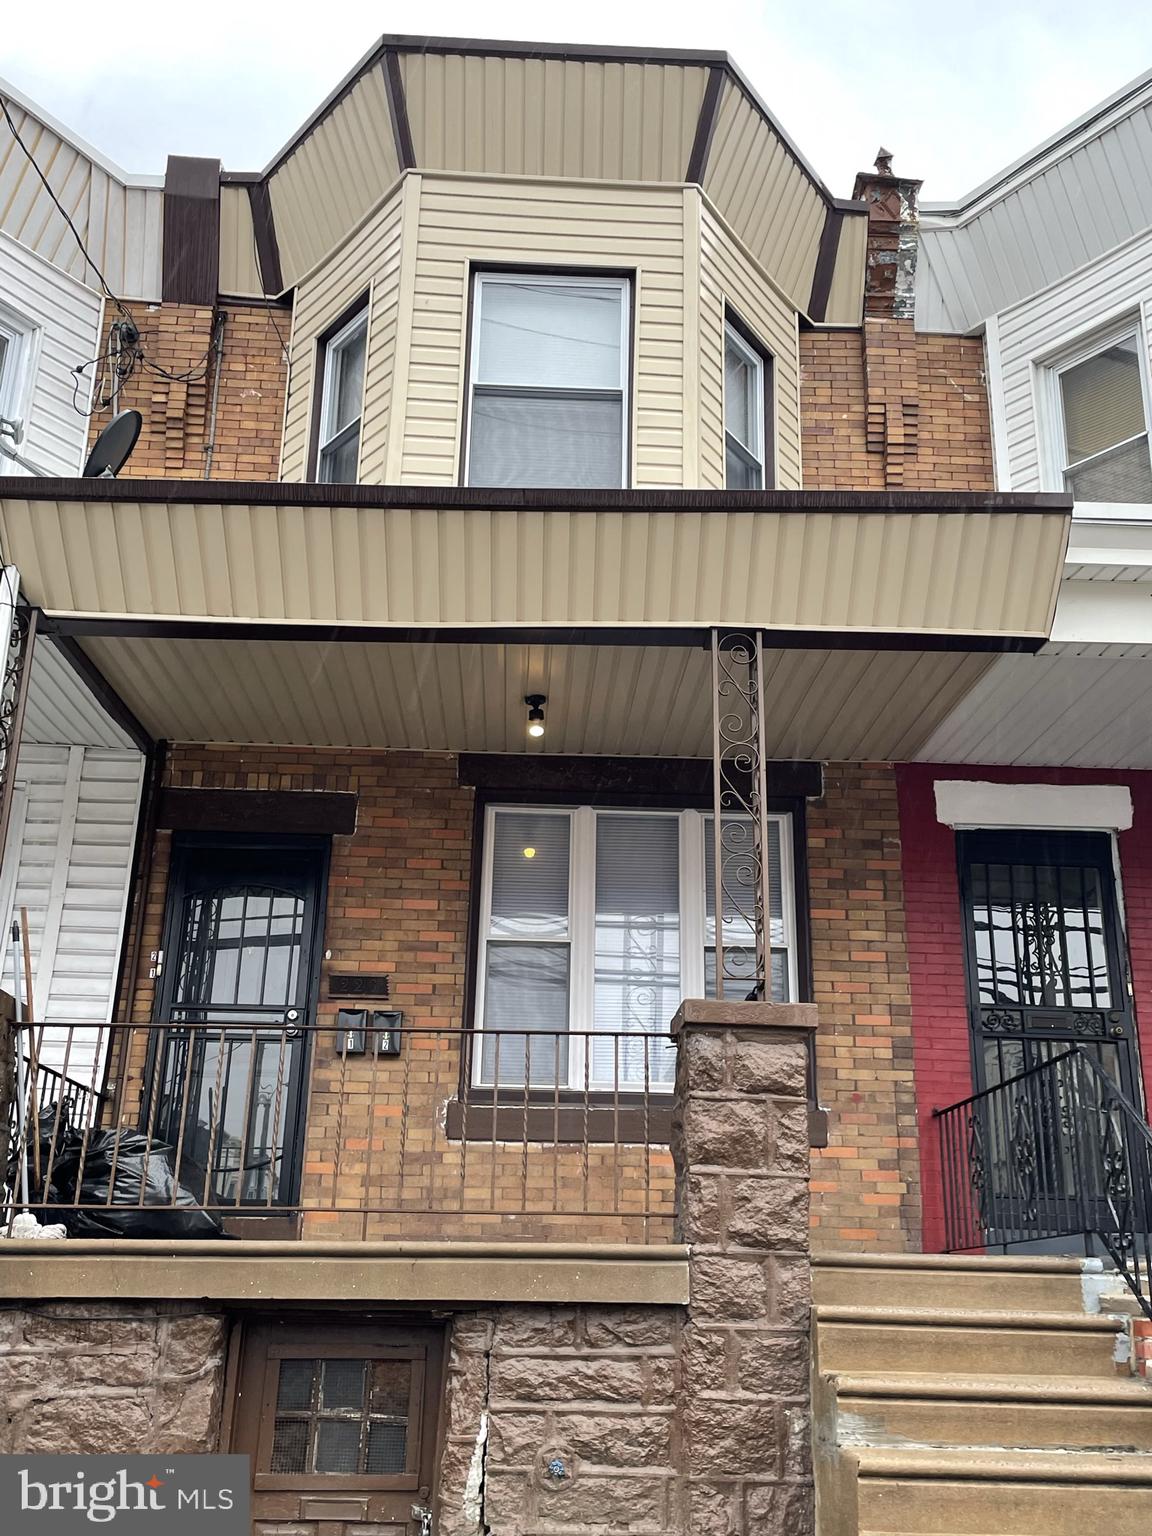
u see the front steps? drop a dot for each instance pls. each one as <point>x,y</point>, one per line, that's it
<point>975,1397</point>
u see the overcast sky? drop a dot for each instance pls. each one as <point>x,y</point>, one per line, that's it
<point>957,90</point>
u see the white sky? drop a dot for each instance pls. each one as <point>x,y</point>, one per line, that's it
<point>956,90</point>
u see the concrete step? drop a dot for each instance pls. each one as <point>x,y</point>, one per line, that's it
<point>1018,1493</point>
<point>959,1342</point>
<point>1066,1412</point>
<point>925,1280</point>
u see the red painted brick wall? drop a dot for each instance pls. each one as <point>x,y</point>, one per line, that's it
<point>936,942</point>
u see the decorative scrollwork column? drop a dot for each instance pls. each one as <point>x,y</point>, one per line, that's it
<point>740,806</point>
<point>13,696</point>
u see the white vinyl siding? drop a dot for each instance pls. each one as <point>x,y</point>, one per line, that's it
<point>594,925</point>
<point>57,322</point>
<point>72,856</point>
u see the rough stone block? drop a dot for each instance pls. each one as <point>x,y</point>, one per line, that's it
<point>728,1289</point>
<point>616,1440</point>
<point>77,1425</point>
<point>530,1380</point>
<point>791,1150</point>
<point>727,1133</point>
<point>704,1059</point>
<point>715,1510</point>
<point>506,1502</point>
<point>189,1344</point>
<point>797,1422</point>
<point>628,1327</point>
<point>734,1439</point>
<point>472,1331</point>
<point>703,1361</point>
<point>535,1328</point>
<point>784,1507</point>
<point>46,1328</point>
<point>699,1208</point>
<point>515,1438</point>
<point>791,1292</point>
<point>768,1213</point>
<point>603,1503</point>
<point>773,1067</point>
<point>467,1394</point>
<point>186,1415</point>
<point>772,1364</point>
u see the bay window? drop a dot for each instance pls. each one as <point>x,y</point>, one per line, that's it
<point>547,381</point>
<point>595,924</point>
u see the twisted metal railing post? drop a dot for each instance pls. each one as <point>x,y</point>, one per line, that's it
<point>21,634</point>
<point>740,810</point>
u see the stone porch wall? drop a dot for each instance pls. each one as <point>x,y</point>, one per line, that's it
<point>110,1377</point>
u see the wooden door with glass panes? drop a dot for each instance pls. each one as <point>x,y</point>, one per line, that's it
<point>340,1424</point>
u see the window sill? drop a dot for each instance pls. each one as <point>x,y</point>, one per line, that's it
<point>571,1122</point>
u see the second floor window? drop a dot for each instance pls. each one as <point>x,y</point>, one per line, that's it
<point>745,414</point>
<point>342,403</point>
<point>547,374</point>
<point>1104,416</point>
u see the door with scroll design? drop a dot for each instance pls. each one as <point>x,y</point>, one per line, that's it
<point>340,1422</point>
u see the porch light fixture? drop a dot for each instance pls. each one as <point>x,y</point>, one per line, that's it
<point>535,703</point>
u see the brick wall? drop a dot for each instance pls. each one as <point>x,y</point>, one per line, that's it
<point>865,1183</point>
<point>176,434</point>
<point>847,446</point>
<point>936,939</point>
<point>398,903</point>
<point>102,1377</point>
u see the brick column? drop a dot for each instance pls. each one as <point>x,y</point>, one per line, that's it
<point>740,1144</point>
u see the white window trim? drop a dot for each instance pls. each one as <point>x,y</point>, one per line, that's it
<point>758,452</point>
<point>481,279</point>
<point>332,348</point>
<point>581,928</point>
<point>1053,439</point>
<point>977,804</point>
<point>22,337</point>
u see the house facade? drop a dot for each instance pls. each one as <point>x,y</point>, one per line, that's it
<point>543,833</point>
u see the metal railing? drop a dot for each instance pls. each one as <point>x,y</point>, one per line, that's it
<point>406,1132</point>
<point>1057,1152</point>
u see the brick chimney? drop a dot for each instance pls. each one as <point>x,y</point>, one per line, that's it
<point>893,239</point>
<point>891,373</point>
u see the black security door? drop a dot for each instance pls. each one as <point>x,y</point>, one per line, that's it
<point>1045,955</point>
<point>238,989</point>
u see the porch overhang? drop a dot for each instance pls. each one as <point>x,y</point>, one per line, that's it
<point>966,569</point>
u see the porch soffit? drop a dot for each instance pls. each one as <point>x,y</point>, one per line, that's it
<point>612,700</point>
<point>939,564</point>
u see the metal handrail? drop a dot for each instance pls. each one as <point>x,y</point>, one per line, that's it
<point>1057,1151</point>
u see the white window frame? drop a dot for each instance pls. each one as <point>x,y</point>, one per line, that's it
<point>756,454</point>
<point>328,440</point>
<point>16,379</point>
<point>581,928</point>
<point>481,280</point>
<point>1054,441</point>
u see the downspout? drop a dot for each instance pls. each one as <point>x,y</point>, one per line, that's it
<point>218,346</point>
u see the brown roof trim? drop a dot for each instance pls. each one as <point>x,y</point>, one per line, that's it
<point>191,246</point>
<point>102,690</point>
<point>825,268</point>
<point>264,231</point>
<point>705,126</point>
<point>398,111</point>
<point>297,494</point>
<point>397,43</point>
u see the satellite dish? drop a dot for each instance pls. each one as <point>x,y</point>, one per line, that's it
<point>111,450</point>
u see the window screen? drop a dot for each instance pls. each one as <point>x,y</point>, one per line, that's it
<point>342,1416</point>
<point>547,396</point>
<point>1105,427</point>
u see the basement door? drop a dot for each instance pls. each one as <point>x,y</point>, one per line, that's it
<point>339,1421</point>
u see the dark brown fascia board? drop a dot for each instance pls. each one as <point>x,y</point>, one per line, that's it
<point>398,111</point>
<point>93,627</point>
<point>191,240</point>
<point>397,43</point>
<point>705,126</point>
<point>264,234</point>
<point>98,686</point>
<point>825,269</point>
<point>301,494</point>
<point>289,812</point>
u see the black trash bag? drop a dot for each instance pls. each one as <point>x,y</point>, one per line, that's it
<point>133,1183</point>
<point>57,1137</point>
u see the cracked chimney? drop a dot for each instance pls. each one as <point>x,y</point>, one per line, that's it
<point>893,239</point>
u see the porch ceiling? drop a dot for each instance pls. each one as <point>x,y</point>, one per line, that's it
<point>648,701</point>
<point>961,566</point>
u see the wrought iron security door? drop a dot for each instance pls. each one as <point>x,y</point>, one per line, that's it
<point>238,976</point>
<point>1046,971</point>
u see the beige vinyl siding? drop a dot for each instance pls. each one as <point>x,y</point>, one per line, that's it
<point>118,218</point>
<point>728,277</point>
<point>370,259</point>
<point>764,195</point>
<point>846,295</point>
<point>601,227</point>
<point>552,117</point>
<point>334,177</point>
<point>239,272</point>
<point>965,572</point>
